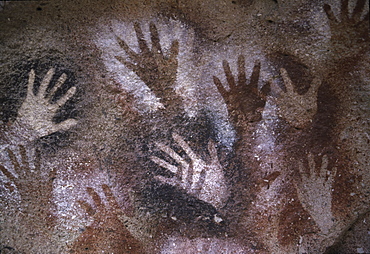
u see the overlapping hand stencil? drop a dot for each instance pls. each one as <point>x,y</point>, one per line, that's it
<point>350,34</point>
<point>27,177</point>
<point>156,69</point>
<point>37,111</point>
<point>34,188</point>
<point>203,180</point>
<point>108,231</point>
<point>101,208</point>
<point>244,101</point>
<point>298,110</point>
<point>315,191</point>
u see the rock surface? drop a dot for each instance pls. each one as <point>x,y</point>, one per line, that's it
<point>184,126</point>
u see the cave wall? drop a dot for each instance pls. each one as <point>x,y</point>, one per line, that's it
<point>184,126</point>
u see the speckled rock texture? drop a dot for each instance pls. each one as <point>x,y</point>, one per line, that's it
<point>176,126</point>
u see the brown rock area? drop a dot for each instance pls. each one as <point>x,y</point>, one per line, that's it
<point>222,126</point>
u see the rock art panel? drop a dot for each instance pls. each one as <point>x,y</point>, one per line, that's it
<point>184,127</point>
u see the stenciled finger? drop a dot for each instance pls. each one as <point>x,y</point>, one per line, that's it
<point>277,91</point>
<point>59,83</point>
<point>87,207</point>
<point>63,126</point>
<point>140,38</point>
<point>13,159</point>
<point>332,175</point>
<point>212,151</point>
<point>31,81</point>
<point>37,161</point>
<point>128,64</point>
<point>24,158</point>
<point>131,54</point>
<point>173,154</point>
<point>186,173</point>
<point>7,173</point>
<point>179,140</point>
<point>221,89</point>
<point>196,177</point>
<point>45,83</point>
<point>311,164</point>
<point>329,13</point>
<point>165,180</point>
<point>198,182</point>
<point>357,11</point>
<point>255,76</point>
<point>301,168</point>
<point>344,14</point>
<point>299,186</point>
<point>324,166</point>
<point>111,198</point>
<point>229,75</point>
<point>164,164</point>
<point>315,85</point>
<point>242,78</point>
<point>287,81</point>
<point>94,195</point>
<point>68,95</point>
<point>265,90</point>
<point>156,46</point>
<point>174,51</point>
